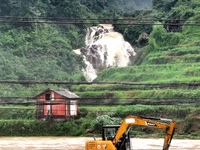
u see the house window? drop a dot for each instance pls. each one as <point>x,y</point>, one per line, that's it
<point>47,97</point>
<point>73,108</point>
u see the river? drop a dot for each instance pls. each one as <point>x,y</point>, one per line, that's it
<point>77,143</point>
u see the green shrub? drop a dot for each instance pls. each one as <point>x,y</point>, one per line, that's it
<point>103,120</point>
<point>160,60</point>
<point>159,37</point>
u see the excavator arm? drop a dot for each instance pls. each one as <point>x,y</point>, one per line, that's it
<point>123,130</point>
<point>136,120</point>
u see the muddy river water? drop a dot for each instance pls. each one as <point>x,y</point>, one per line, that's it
<point>77,143</point>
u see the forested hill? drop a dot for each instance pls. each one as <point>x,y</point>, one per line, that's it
<point>31,50</point>
<point>167,52</point>
<point>37,44</point>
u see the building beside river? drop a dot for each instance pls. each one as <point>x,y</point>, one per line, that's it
<point>56,104</point>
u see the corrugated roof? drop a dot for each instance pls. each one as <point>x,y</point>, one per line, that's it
<point>63,92</point>
<point>66,93</point>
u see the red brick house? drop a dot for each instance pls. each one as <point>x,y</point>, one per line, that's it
<point>56,104</point>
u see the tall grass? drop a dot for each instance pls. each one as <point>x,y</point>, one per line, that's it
<point>154,73</point>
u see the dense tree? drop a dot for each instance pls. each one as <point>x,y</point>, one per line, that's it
<point>44,51</point>
<point>164,5</point>
<point>42,48</point>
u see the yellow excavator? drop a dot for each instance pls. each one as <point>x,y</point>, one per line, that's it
<point>116,137</point>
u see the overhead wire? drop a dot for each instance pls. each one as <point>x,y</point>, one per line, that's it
<point>97,19</point>
<point>141,23</point>
<point>98,98</point>
<point>169,84</point>
<point>127,21</point>
<point>173,103</point>
<point>101,101</point>
<point>114,21</point>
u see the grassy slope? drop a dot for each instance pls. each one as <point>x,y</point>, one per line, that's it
<point>173,62</point>
<point>163,63</point>
<point>171,57</point>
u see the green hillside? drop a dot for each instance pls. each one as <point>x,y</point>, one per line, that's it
<point>163,80</point>
<point>169,56</point>
<point>165,74</point>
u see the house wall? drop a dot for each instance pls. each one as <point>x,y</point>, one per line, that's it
<point>40,106</point>
<point>59,109</point>
<point>57,106</point>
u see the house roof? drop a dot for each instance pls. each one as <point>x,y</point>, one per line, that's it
<point>63,92</point>
<point>66,93</point>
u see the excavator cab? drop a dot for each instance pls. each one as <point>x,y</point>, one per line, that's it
<point>109,132</point>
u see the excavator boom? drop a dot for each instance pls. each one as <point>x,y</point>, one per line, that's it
<point>136,120</point>
<point>123,130</point>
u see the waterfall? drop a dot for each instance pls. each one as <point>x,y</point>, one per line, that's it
<point>104,48</point>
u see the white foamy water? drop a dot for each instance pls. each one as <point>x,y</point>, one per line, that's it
<point>104,48</point>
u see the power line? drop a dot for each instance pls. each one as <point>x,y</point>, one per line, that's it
<point>64,23</point>
<point>101,104</point>
<point>105,98</point>
<point>97,19</point>
<point>170,84</point>
<point>114,21</point>
<point>103,101</point>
